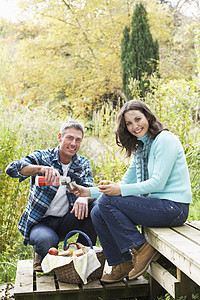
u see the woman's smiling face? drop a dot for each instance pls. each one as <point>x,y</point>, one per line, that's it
<point>136,123</point>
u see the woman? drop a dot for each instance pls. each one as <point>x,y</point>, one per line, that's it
<point>154,192</point>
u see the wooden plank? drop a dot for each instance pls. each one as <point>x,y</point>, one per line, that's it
<point>93,290</point>
<point>164,278</point>
<point>182,252</point>
<point>24,278</point>
<point>70,287</point>
<point>93,285</point>
<point>141,281</point>
<point>177,242</point>
<point>189,232</point>
<point>118,285</point>
<point>69,291</point>
<point>47,288</point>
<point>195,224</point>
<point>126,289</point>
<point>45,283</point>
<point>138,287</point>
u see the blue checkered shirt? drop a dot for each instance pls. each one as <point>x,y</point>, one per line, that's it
<point>41,197</point>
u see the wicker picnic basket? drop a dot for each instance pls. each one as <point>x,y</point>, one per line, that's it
<point>68,274</point>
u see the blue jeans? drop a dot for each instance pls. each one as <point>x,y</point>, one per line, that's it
<point>52,230</point>
<point>115,219</point>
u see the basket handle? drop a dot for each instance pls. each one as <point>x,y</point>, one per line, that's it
<point>72,232</point>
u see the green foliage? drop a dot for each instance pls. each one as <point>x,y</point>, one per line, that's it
<point>9,190</point>
<point>12,199</point>
<point>106,159</point>
<point>140,54</point>
<point>125,61</point>
<point>175,104</point>
<point>20,134</point>
<point>25,129</point>
<point>67,55</point>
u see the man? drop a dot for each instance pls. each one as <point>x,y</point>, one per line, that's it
<point>52,211</point>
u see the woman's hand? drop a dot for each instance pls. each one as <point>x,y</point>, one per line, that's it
<point>80,191</point>
<point>111,189</point>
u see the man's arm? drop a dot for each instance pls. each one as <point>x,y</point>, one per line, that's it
<point>30,166</point>
<point>49,172</point>
<point>31,170</point>
<point>15,167</point>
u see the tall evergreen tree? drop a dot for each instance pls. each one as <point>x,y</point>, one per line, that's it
<point>140,54</point>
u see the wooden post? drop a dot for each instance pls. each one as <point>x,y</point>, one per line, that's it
<point>156,289</point>
<point>186,286</point>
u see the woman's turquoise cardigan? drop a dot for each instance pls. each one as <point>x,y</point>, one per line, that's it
<point>167,169</point>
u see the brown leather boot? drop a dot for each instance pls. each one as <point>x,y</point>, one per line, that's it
<point>118,272</point>
<point>37,263</point>
<point>142,259</point>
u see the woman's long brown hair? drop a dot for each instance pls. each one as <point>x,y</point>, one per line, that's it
<point>124,138</point>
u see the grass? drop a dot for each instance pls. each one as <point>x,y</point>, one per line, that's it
<point>21,133</point>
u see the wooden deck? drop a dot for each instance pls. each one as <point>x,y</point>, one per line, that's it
<point>30,286</point>
<point>179,246</point>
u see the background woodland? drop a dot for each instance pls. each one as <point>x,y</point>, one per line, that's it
<point>62,60</point>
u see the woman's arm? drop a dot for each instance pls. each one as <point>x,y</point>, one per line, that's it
<point>130,174</point>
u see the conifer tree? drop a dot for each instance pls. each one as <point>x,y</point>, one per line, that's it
<point>139,53</point>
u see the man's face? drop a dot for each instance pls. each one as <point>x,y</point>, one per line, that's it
<point>70,142</point>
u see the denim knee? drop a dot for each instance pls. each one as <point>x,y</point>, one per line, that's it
<point>95,213</point>
<point>105,200</point>
<point>42,239</point>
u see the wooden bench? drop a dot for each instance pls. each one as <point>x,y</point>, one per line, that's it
<point>180,250</point>
<point>30,286</point>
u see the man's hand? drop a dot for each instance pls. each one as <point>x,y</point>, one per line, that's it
<point>80,208</point>
<point>51,174</point>
<point>80,191</point>
<point>112,189</point>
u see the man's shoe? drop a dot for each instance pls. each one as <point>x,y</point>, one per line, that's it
<point>142,259</point>
<point>118,272</point>
<point>36,263</point>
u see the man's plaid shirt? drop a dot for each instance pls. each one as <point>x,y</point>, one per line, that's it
<point>41,197</point>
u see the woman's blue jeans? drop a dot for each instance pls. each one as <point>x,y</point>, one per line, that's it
<point>52,230</point>
<point>115,219</point>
